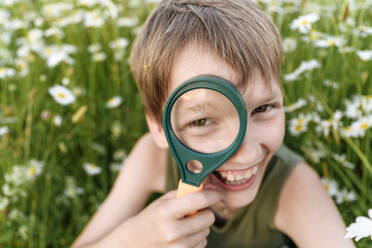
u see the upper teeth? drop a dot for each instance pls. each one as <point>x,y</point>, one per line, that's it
<point>233,177</point>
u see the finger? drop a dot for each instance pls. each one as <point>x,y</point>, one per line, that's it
<point>202,244</point>
<point>194,240</point>
<point>193,224</point>
<point>169,195</point>
<point>179,207</point>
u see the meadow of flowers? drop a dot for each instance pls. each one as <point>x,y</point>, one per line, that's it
<point>70,110</point>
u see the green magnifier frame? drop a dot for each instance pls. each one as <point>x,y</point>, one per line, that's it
<point>183,154</point>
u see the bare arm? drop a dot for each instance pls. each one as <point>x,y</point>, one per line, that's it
<point>307,214</point>
<point>142,173</point>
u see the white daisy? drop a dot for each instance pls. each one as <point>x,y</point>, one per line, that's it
<point>23,232</point>
<point>345,196</point>
<point>71,189</point>
<point>57,120</point>
<point>304,66</point>
<point>297,105</point>
<point>289,44</point>
<point>4,130</point>
<point>98,57</point>
<point>120,155</point>
<point>114,102</point>
<point>95,48</point>
<point>98,148</point>
<point>366,103</point>
<point>353,108</point>
<point>317,154</point>
<point>119,44</point>
<point>331,186</point>
<point>362,228</point>
<point>22,66</point>
<point>94,19</point>
<point>92,169</point>
<point>331,83</point>
<point>365,55</point>
<point>55,55</point>
<point>325,126</point>
<point>116,167</point>
<point>116,129</point>
<point>4,202</point>
<point>65,81</point>
<point>358,128</point>
<point>54,31</point>
<point>298,125</point>
<point>35,168</point>
<point>6,72</point>
<point>56,9</point>
<point>16,177</point>
<point>342,160</point>
<point>62,95</point>
<point>303,23</point>
<point>127,22</point>
<point>330,41</point>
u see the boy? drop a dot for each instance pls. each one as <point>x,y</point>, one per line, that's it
<point>264,193</point>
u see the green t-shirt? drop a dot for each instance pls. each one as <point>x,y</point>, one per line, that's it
<point>253,225</point>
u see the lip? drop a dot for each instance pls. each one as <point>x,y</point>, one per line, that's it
<point>237,171</point>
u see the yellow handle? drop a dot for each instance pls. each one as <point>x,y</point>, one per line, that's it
<point>184,189</point>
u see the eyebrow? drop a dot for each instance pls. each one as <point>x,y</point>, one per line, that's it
<point>267,98</point>
<point>200,107</point>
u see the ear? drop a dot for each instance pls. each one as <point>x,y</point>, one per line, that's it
<point>157,131</point>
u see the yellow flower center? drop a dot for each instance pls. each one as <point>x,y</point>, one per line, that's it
<point>368,97</point>
<point>50,10</point>
<point>331,43</point>
<point>32,170</point>
<point>364,126</point>
<point>48,50</point>
<point>301,120</point>
<point>2,69</point>
<point>298,127</point>
<point>304,22</point>
<point>61,95</point>
<point>21,66</point>
<point>327,187</point>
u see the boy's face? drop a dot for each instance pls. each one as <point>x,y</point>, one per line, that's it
<point>239,178</point>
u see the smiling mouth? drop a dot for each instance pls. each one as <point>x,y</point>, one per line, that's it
<point>236,178</point>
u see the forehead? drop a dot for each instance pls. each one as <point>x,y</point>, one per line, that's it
<point>196,60</point>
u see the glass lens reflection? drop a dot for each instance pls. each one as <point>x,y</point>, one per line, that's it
<point>205,120</point>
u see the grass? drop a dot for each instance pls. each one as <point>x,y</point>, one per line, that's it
<point>50,202</point>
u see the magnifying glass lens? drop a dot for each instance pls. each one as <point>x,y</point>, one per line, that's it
<point>205,120</point>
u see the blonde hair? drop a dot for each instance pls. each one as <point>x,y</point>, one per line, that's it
<point>236,30</point>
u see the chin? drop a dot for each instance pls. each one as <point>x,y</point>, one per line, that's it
<point>235,200</point>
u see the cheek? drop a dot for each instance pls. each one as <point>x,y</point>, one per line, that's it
<point>273,133</point>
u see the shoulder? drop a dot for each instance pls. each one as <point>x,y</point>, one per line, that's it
<point>146,165</point>
<point>305,211</point>
<point>288,156</point>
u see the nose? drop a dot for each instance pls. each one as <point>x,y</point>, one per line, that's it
<point>250,151</point>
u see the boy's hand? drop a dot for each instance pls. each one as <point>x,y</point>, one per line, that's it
<point>163,222</point>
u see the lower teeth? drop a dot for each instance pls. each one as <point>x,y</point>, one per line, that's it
<point>236,182</point>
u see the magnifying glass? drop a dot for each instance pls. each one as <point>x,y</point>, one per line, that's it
<point>204,121</point>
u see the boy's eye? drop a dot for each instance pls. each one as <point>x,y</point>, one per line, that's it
<point>199,122</point>
<point>262,108</point>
